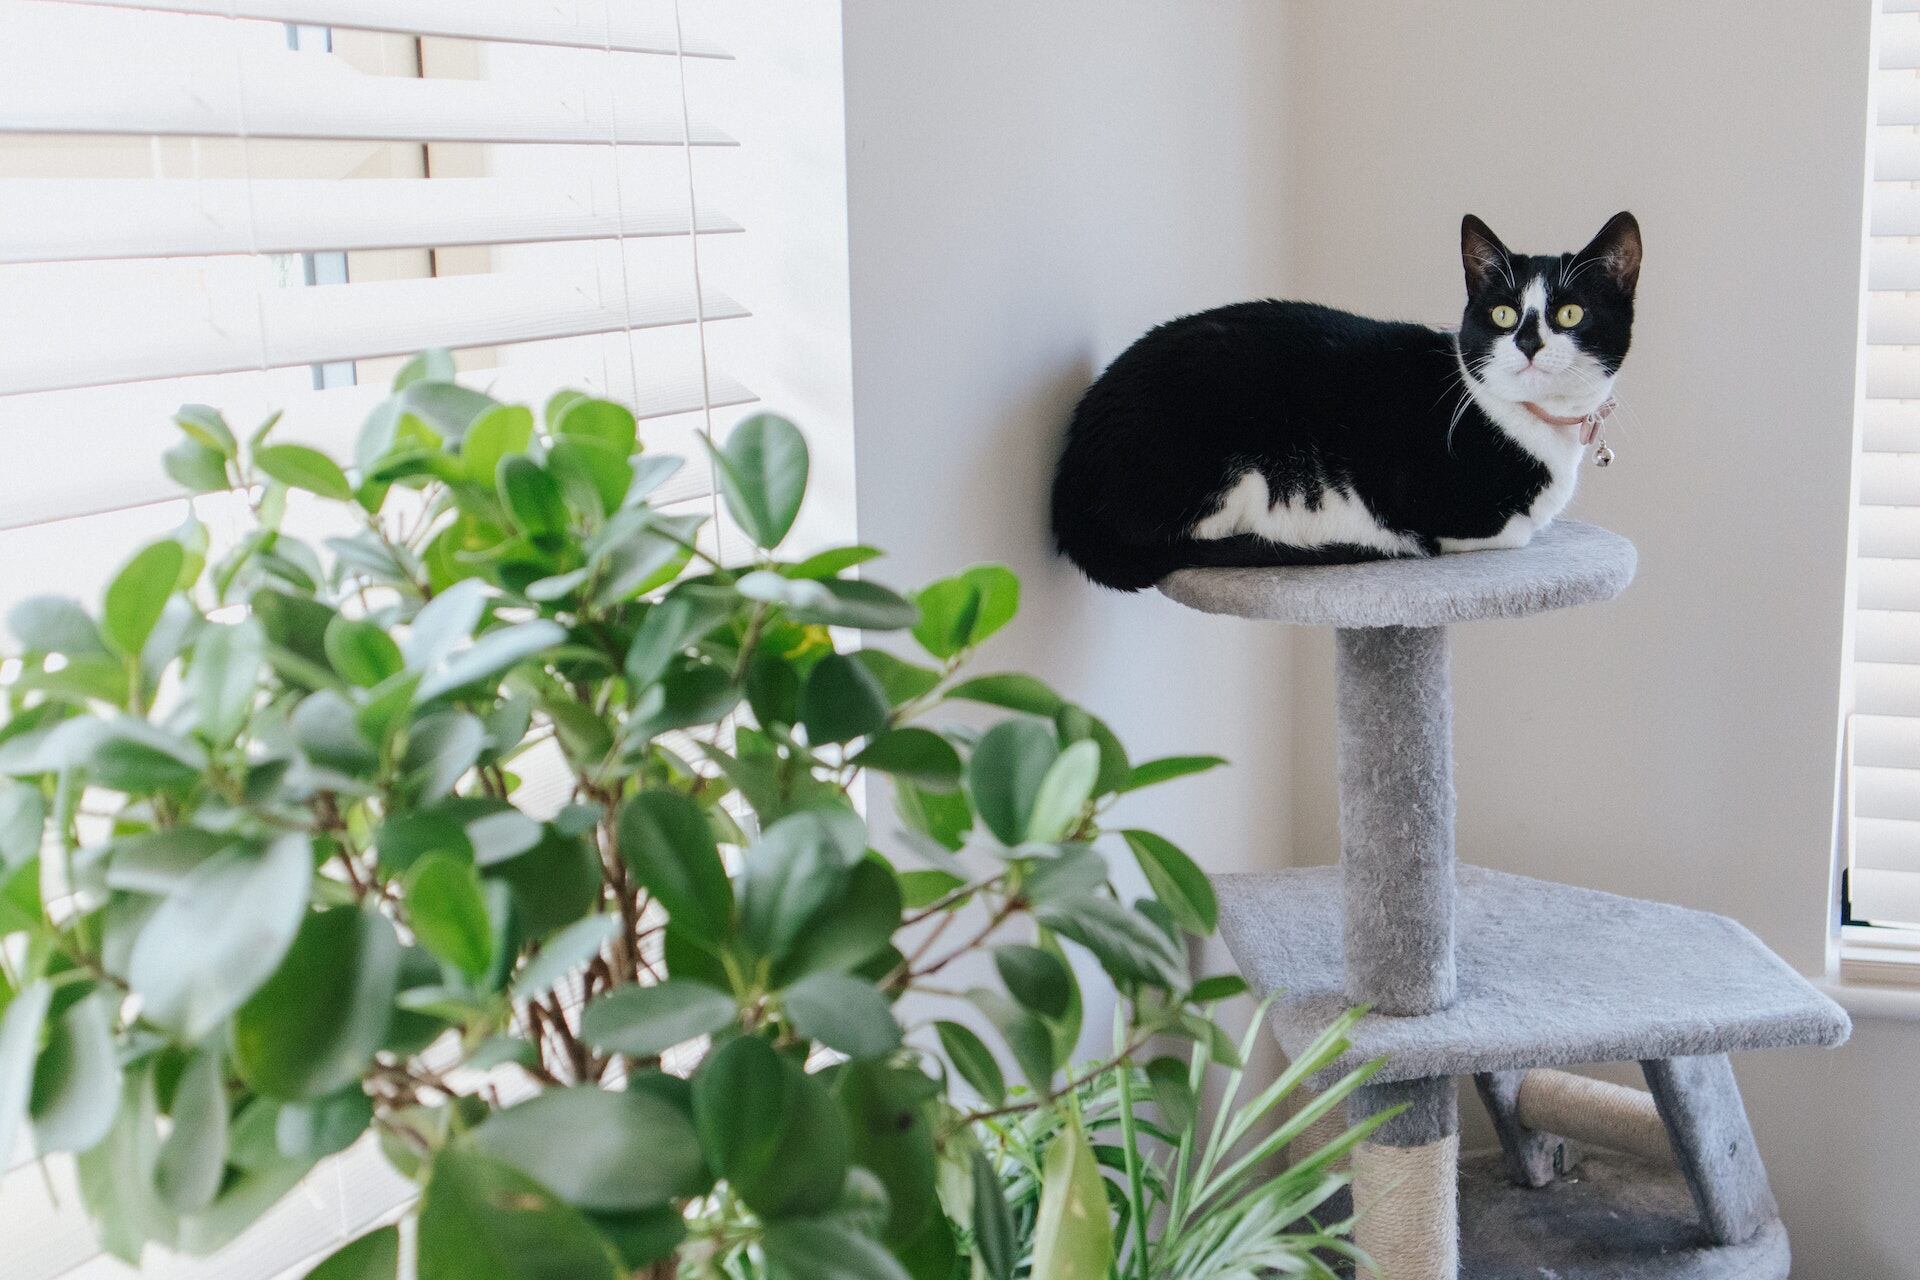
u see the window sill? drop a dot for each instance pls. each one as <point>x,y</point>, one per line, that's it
<point>1879,973</point>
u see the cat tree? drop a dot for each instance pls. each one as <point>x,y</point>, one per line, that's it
<point>1501,977</point>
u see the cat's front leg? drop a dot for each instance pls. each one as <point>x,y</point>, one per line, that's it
<point>1517,532</point>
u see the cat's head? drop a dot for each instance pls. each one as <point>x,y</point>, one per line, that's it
<point>1549,330</point>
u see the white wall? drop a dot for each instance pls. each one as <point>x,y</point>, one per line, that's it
<point>1030,186</point>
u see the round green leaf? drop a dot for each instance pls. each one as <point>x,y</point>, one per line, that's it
<point>1037,979</point>
<point>76,1086</point>
<point>492,656</point>
<point>843,1013</point>
<point>890,1119</point>
<point>23,820</point>
<point>598,1149</point>
<point>826,1249</point>
<point>448,913</point>
<point>193,1159</point>
<point>532,496</point>
<point>645,1022</point>
<point>772,1131</point>
<point>1005,775</point>
<point>480,1216</point>
<point>958,613</point>
<point>374,1256</point>
<point>501,430</point>
<point>920,755</point>
<point>1180,885</point>
<point>361,651</point>
<point>315,1025</point>
<point>225,676</point>
<point>852,930</point>
<point>1011,690</point>
<point>609,425</point>
<point>797,867</point>
<point>20,1028</point>
<point>832,602</point>
<point>763,476</point>
<point>299,467</point>
<point>55,624</point>
<point>974,1061</point>
<point>667,842</point>
<point>841,701</point>
<point>195,467</point>
<point>222,933</point>
<point>1063,793</point>
<point>1127,945</point>
<point>138,594</point>
<point>314,1130</point>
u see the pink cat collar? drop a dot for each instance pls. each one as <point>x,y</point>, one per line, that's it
<point>1589,423</point>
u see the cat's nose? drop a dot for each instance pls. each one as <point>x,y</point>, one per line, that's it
<point>1528,339</point>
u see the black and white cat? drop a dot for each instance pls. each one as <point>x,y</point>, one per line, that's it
<point>1270,433</point>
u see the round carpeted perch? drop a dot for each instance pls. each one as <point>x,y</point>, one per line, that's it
<point>1472,972</point>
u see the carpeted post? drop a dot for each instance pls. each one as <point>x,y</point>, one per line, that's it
<point>1396,816</point>
<point>1397,875</point>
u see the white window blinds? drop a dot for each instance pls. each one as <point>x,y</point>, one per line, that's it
<point>1884,876</point>
<point>268,204</point>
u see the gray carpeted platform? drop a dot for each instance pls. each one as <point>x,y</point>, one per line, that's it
<point>1549,975</point>
<point>1568,563</point>
<point>1613,1218</point>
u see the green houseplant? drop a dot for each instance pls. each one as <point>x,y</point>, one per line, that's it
<point>1192,1198</point>
<point>272,874</point>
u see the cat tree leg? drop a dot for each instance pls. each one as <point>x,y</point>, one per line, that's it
<point>1398,887</point>
<point>1531,1157</point>
<point>1707,1123</point>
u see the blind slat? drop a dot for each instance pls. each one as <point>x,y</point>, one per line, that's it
<point>1889,532</point>
<point>1892,374</point>
<point>1886,688</point>
<point>1893,318</point>
<point>1882,792</point>
<point>1896,153</point>
<point>68,220</point>
<point>126,472</point>
<point>1887,635</point>
<point>580,24</point>
<point>1893,262</point>
<point>1886,844</point>
<point>1891,426</point>
<point>1900,43</point>
<point>1899,100</point>
<point>1887,742</point>
<point>291,95</point>
<point>1891,896</point>
<point>1889,479</point>
<point>1895,206</point>
<point>322,325</point>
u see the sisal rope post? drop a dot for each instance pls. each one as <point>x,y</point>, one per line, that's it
<point>1607,1115</point>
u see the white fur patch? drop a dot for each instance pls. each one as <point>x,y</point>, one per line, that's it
<point>1339,519</point>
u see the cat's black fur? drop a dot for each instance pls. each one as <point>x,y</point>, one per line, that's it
<point>1310,396</point>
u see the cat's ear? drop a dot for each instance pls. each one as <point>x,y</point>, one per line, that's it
<point>1481,252</point>
<point>1617,250</point>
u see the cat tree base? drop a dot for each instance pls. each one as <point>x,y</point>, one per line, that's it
<point>1612,1217</point>
<point>1473,972</point>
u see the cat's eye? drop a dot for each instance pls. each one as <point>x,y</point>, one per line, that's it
<point>1506,317</point>
<point>1569,316</point>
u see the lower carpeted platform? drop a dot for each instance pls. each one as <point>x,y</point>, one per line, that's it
<point>1549,975</point>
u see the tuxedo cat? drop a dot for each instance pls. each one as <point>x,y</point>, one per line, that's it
<point>1273,433</point>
